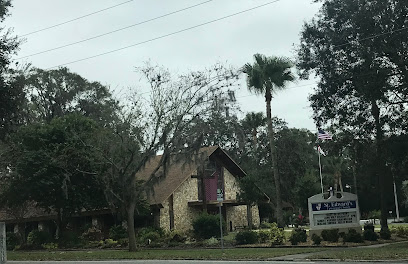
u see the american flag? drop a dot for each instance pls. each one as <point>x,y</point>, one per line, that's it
<point>323,134</point>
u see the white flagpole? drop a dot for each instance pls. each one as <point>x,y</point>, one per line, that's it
<point>320,170</point>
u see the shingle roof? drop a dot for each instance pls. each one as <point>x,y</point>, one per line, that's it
<point>176,174</point>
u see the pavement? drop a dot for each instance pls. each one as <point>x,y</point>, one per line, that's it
<point>185,262</point>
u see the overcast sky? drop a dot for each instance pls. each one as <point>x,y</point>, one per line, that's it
<point>273,29</point>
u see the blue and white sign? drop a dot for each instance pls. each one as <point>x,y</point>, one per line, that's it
<point>338,205</point>
<point>340,211</point>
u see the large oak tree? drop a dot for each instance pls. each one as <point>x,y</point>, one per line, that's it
<point>359,51</point>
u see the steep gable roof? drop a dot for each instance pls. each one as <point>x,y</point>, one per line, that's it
<point>178,172</point>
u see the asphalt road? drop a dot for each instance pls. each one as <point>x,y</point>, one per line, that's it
<point>183,262</point>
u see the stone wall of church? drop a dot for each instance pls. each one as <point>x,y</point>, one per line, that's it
<point>231,187</point>
<point>183,214</point>
<point>237,216</point>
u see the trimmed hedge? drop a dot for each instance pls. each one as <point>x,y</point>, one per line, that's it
<point>298,236</point>
<point>331,235</point>
<point>246,237</point>
<point>206,226</point>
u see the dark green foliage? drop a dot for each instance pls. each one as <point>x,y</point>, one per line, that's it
<point>353,236</point>
<point>363,80</point>
<point>149,235</point>
<point>331,235</point>
<point>370,235</point>
<point>54,159</point>
<point>37,238</point>
<point>246,237</point>
<point>369,226</point>
<point>266,225</point>
<point>12,240</point>
<point>316,239</point>
<point>175,237</point>
<point>11,86</point>
<point>70,239</point>
<point>117,232</point>
<point>92,234</point>
<point>206,226</point>
<point>264,236</point>
<point>375,214</point>
<point>385,234</point>
<point>123,242</point>
<point>298,236</point>
<point>146,230</point>
<point>59,92</point>
<point>400,231</point>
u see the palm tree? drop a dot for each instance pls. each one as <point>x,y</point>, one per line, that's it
<point>267,76</point>
<point>251,123</point>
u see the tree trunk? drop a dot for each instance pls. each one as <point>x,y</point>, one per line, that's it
<point>58,233</point>
<point>355,168</point>
<point>381,164</point>
<point>131,226</point>
<point>271,134</point>
<point>249,216</point>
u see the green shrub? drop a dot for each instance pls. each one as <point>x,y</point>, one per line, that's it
<point>27,247</point>
<point>206,226</point>
<point>316,239</point>
<point>149,238</point>
<point>149,235</point>
<point>108,243</point>
<point>92,234</point>
<point>277,235</point>
<point>369,226</point>
<point>37,238</point>
<point>150,229</point>
<point>12,240</point>
<point>265,225</point>
<point>331,235</point>
<point>400,231</point>
<point>123,242</point>
<point>353,236</point>
<point>370,235</point>
<point>117,232</point>
<point>298,236</point>
<point>212,241</point>
<point>385,234</point>
<point>176,237</point>
<point>70,239</point>
<point>50,246</point>
<point>246,237</point>
<point>264,236</point>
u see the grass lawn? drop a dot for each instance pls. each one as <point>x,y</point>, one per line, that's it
<point>390,252</point>
<point>208,254</point>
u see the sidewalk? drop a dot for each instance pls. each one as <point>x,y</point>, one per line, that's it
<point>307,256</point>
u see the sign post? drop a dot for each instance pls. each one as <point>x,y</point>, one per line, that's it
<point>3,255</point>
<point>220,199</point>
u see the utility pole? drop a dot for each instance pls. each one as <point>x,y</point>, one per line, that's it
<point>396,202</point>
